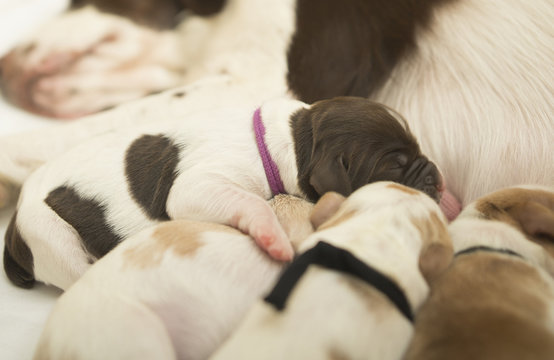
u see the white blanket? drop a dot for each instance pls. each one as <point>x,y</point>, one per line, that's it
<point>22,312</point>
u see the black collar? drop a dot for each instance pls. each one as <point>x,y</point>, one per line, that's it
<point>489,249</point>
<point>329,256</point>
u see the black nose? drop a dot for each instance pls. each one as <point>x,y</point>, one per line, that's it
<point>424,175</point>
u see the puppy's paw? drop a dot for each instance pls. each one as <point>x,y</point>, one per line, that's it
<point>273,240</point>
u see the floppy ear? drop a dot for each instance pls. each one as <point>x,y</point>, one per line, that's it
<point>434,259</point>
<point>326,207</point>
<point>536,219</point>
<point>437,251</point>
<point>329,174</point>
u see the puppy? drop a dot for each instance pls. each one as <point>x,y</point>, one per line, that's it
<point>216,166</point>
<point>175,290</point>
<point>496,301</point>
<point>364,276</point>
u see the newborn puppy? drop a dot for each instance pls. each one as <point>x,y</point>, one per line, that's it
<point>218,166</point>
<point>496,301</point>
<point>354,290</point>
<point>175,290</point>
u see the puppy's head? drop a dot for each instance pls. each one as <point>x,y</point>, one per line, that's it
<point>347,142</point>
<point>390,208</point>
<point>528,209</point>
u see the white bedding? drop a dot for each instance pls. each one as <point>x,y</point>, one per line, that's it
<point>22,312</point>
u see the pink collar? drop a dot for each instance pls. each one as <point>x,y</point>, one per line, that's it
<point>271,170</point>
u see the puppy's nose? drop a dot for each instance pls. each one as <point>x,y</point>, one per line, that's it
<point>430,181</point>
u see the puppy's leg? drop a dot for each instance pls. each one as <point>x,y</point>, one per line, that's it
<point>232,205</point>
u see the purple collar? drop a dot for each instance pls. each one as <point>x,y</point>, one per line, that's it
<point>271,170</point>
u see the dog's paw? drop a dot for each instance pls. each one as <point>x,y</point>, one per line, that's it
<point>262,225</point>
<point>273,241</point>
<point>83,62</point>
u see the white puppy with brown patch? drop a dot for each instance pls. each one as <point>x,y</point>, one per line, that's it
<point>352,292</point>
<point>496,301</point>
<point>175,290</point>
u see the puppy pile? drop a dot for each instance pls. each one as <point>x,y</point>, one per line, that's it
<point>379,272</point>
<point>179,289</point>
<point>379,275</point>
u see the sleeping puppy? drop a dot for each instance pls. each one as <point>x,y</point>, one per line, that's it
<point>496,301</point>
<point>216,166</point>
<point>361,276</point>
<point>175,290</point>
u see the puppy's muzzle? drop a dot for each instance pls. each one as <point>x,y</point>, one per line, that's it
<point>424,175</point>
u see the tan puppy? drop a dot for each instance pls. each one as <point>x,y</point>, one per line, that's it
<point>366,271</point>
<point>496,301</point>
<point>173,291</point>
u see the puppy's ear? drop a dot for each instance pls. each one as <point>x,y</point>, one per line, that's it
<point>434,259</point>
<point>536,219</point>
<point>437,251</point>
<point>326,207</point>
<point>329,174</point>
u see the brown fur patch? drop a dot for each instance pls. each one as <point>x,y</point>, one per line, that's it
<point>151,168</point>
<point>87,216</point>
<point>336,354</point>
<point>18,259</point>
<point>351,47</point>
<point>404,189</point>
<point>180,236</point>
<point>530,211</point>
<point>485,306</point>
<point>436,250</point>
<point>155,13</point>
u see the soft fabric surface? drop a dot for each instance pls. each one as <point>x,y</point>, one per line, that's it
<point>22,312</point>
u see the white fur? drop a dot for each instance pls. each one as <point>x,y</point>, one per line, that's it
<point>175,305</point>
<point>324,316</point>
<point>477,94</point>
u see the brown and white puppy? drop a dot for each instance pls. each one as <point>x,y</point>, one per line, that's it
<point>173,291</point>
<point>352,292</point>
<point>496,300</point>
<point>207,167</point>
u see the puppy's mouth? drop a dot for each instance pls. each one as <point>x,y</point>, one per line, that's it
<point>425,176</point>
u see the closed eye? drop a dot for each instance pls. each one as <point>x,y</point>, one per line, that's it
<point>398,162</point>
<point>345,164</point>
